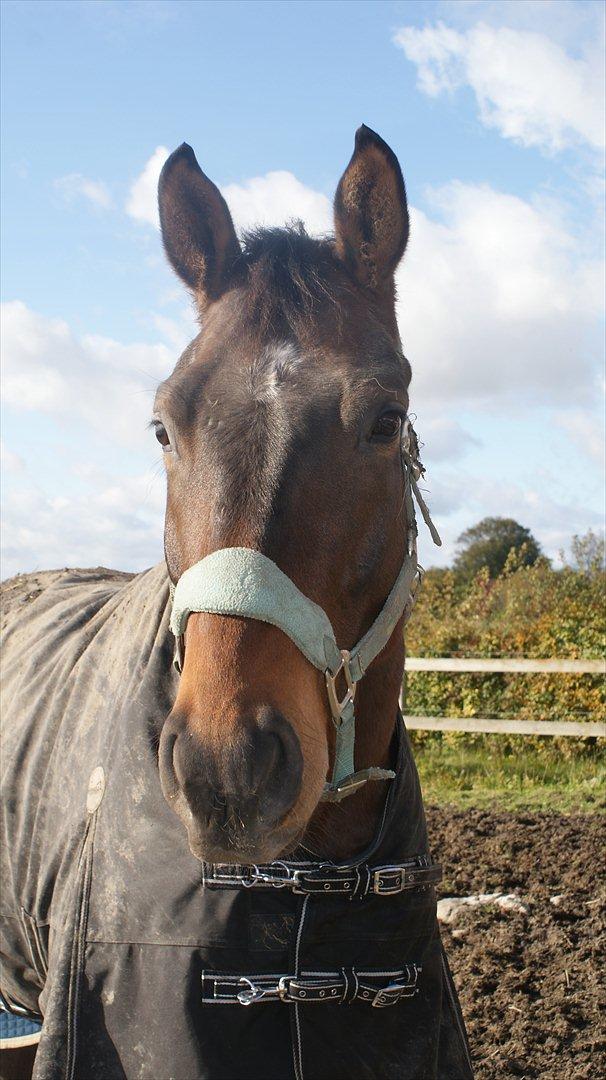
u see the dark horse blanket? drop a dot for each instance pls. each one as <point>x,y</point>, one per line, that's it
<point>109,929</point>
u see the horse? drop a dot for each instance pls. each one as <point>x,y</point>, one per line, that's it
<point>216,857</point>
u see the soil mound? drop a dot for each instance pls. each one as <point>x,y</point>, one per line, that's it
<point>529,982</point>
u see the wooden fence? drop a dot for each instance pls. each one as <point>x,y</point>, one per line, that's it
<point>583,728</point>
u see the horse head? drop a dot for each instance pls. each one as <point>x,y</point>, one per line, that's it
<point>281,428</point>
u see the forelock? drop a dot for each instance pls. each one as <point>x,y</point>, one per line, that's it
<point>291,276</point>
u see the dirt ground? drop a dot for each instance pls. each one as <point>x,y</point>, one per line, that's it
<point>530,984</point>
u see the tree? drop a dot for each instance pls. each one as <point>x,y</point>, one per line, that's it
<point>489,543</point>
<point>588,553</point>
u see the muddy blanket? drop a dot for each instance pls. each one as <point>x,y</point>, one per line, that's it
<point>107,928</point>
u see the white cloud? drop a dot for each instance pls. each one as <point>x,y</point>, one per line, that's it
<point>272,199</point>
<point>117,522</point>
<point>101,382</point>
<point>142,202</point>
<point>98,393</point>
<point>572,23</point>
<point>444,440</point>
<point>76,186</point>
<point>587,432</point>
<point>275,199</point>
<point>178,333</point>
<point>526,85</point>
<point>499,304</point>
<point>9,461</point>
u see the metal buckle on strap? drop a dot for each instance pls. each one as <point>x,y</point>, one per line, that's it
<point>254,875</point>
<point>394,992</point>
<point>299,878</point>
<point>253,993</point>
<point>337,707</point>
<point>388,880</point>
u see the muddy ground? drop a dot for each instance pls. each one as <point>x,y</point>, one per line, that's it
<point>531,985</point>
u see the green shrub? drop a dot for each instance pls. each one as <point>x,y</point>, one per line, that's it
<point>527,611</point>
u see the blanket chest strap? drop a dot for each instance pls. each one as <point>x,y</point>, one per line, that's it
<point>376,988</point>
<point>354,882</point>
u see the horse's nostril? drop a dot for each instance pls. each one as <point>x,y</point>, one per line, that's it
<point>238,790</point>
<point>278,768</point>
<point>166,749</point>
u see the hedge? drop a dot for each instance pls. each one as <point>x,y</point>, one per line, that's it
<point>528,611</point>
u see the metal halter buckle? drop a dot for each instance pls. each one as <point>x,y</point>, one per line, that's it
<point>337,707</point>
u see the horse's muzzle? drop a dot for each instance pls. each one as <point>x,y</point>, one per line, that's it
<point>234,796</point>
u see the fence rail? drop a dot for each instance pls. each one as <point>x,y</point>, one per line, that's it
<point>583,729</point>
<point>464,663</point>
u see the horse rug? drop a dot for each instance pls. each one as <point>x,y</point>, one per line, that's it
<point>145,962</point>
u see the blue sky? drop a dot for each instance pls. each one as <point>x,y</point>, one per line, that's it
<point>496,113</point>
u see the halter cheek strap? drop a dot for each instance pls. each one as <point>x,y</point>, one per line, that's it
<point>242,582</point>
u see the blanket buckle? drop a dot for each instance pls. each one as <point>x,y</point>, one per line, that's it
<point>253,993</point>
<point>388,880</point>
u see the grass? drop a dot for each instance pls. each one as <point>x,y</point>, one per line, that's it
<point>462,774</point>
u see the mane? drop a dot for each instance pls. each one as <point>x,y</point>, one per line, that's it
<point>290,275</point>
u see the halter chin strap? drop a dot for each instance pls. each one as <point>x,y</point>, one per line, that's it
<point>240,581</point>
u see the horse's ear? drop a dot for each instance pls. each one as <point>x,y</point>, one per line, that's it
<point>371,214</point>
<point>198,233</point>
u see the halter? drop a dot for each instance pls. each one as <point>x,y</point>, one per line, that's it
<point>242,582</point>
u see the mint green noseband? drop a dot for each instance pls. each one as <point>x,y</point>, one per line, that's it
<point>242,582</point>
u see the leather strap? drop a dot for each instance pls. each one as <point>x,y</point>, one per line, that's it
<point>315,879</point>
<point>376,988</point>
<point>399,602</point>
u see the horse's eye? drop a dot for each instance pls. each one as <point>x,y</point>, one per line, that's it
<point>161,434</point>
<point>387,427</point>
